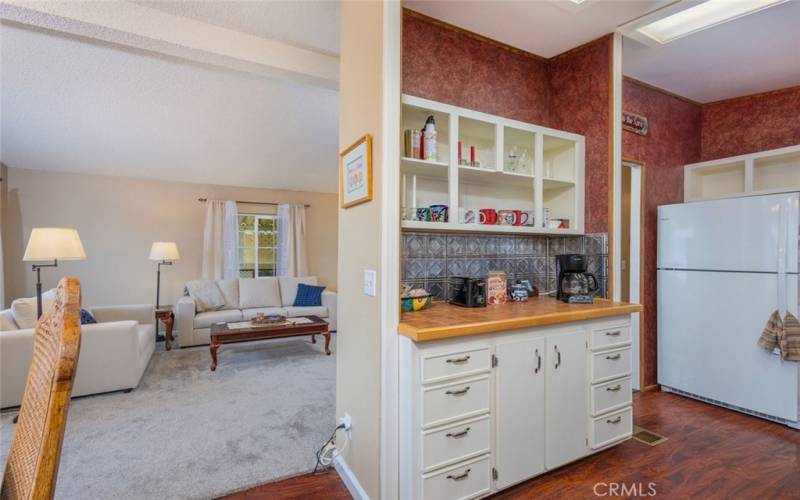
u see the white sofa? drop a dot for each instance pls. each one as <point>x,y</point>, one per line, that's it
<point>114,352</point>
<point>244,298</point>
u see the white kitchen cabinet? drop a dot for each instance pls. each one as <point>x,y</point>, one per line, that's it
<point>566,398</point>
<point>481,413</point>
<point>519,410</point>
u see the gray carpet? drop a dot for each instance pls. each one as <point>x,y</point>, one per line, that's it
<point>189,433</point>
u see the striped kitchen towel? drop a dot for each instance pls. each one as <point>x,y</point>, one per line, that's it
<point>772,331</point>
<point>789,339</point>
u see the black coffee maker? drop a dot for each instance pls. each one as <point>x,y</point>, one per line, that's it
<point>575,285</point>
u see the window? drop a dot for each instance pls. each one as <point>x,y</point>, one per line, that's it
<point>258,239</point>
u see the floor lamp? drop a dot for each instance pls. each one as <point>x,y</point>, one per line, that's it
<point>165,252</point>
<point>51,244</point>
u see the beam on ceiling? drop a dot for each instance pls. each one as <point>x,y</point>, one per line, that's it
<point>144,28</point>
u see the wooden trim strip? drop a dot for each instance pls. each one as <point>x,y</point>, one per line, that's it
<point>610,284</point>
<point>750,96</point>
<point>581,47</point>
<point>660,90</point>
<point>472,34</point>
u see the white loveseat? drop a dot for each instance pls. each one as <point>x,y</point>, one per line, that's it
<point>244,298</point>
<point>114,352</point>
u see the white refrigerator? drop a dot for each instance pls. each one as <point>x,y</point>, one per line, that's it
<point>723,267</point>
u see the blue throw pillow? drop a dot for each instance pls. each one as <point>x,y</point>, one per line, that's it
<point>308,295</point>
<point>87,318</point>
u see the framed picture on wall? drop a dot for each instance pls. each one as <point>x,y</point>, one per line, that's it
<point>355,173</point>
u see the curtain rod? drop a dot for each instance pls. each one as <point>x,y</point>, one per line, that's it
<point>203,200</point>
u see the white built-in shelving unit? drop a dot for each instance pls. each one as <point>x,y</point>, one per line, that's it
<point>765,172</point>
<point>522,166</point>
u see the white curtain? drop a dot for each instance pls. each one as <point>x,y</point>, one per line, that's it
<point>292,253</point>
<point>220,240</point>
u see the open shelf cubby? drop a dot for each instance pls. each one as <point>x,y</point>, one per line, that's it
<point>518,166</point>
<point>776,172</point>
<point>764,172</point>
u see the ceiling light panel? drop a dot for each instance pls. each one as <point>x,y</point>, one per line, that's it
<point>699,17</point>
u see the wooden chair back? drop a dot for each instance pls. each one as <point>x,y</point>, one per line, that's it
<point>35,452</point>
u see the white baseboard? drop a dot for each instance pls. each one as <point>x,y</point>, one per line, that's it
<point>349,479</point>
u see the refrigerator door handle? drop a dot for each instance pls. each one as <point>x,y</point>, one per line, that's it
<point>783,237</point>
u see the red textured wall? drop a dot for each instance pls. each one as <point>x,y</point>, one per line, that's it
<point>748,124</point>
<point>579,90</point>
<point>672,141</point>
<point>449,66</point>
<point>569,92</point>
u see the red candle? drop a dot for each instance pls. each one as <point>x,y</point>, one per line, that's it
<point>459,152</point>
<point>472,155</point>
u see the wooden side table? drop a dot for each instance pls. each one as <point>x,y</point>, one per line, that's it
<point>166,316</point>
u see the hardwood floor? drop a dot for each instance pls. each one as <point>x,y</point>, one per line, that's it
<point>711,453</point>
<point>325,485</point>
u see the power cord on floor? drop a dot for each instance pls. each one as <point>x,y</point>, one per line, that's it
<point>328,452</point>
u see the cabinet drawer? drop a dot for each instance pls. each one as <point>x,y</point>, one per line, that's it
<point>455,443</point>
<point>456,364</point>
<point>467,480</point>
<point>611,396</point>
<point>454,401</point>
<point>611,364</point>
<point>611,428</point>
<point>610,337</point>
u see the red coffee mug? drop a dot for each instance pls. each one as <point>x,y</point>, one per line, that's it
<point>488,216</point>
<point>521,217</point>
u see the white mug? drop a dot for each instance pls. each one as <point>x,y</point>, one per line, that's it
<point>471,216</point>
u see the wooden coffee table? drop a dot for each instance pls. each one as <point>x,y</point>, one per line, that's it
<point>221,334</point>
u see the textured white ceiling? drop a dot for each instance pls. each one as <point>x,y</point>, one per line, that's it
<point>69,104</point>
<point>308,24</point>
<point>545,27</point>
<point>752,54</point>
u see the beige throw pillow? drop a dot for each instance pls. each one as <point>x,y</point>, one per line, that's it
<point>259,292</point>
<point>230,292</point>
<point>24,310</point>
<point>206,295</point>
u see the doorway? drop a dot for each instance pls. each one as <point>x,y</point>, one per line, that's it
<point>631,255</point>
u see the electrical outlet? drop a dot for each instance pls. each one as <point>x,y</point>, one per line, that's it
<point>370,282</point>
<point>347,422</point>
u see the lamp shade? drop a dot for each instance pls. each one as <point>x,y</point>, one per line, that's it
<point>50,243</point>
<point>164,250</point>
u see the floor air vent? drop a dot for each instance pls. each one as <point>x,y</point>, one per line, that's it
<point>647,437</point>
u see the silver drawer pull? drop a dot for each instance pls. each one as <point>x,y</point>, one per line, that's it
<point>458,393</point>
<point>456,361</point>
<point>538,362</point>
<point>614,420</point>
<point>614,357</point>
<point>615,333</point>
<point>458,434</point>
<point>460,476</point>
<point>616,388</point>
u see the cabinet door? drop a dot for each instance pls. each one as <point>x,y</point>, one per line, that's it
<point>566,398</point>
<point>519,410</point>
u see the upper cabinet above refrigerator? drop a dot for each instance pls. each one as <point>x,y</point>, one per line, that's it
<point>765,172</point>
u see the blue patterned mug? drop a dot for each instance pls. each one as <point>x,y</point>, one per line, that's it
<point>423,214</point>
<point>439,213</point>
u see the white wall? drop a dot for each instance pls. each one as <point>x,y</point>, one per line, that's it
<point>358,367</point>
<point>118,218</point>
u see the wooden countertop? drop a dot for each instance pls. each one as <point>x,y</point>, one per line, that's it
<point>442,320</point>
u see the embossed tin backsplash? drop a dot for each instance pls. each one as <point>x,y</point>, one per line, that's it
<point>430,259</point>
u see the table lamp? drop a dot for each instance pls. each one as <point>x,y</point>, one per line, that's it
<point>165,252</point>
<point>51,244</point>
